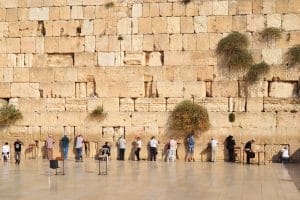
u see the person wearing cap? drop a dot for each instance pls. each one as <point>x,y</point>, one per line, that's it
<point>49,145</point>
<point>249,150</point>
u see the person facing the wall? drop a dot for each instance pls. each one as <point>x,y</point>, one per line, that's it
<point>138,148</point>
<point>153,148</point>
<point>78,146</point>
<point>17,145</point>
<point>65,145</point>
<point>49,145</point>
<point>230,143</point>
<point>190,148</point>
<point>122,147</point>
<point>213,145</point>
<point>249,150</point>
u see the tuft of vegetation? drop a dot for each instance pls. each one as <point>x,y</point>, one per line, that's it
<point>120,37</point>
<point>188,117</point>
<point>256,71</point>
<point>231,117</point>
<point>98,113</point>
<point>271,33</point>
<point>9,114</point>
<point>109,5</point>
<point>185,2</point>
<point>233,51</point>
<point>293,55</point>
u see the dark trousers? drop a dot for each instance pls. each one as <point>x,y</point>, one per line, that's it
<point>137,153</point>
<point>250,155</point>
<point>231,156</point>
<point>153,153</point>
<point>122,153</point>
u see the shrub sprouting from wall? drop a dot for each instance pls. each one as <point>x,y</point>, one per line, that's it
<point>271,33</point>
<point>233,51</point>
<point>256,72</point>
<point>9,114</point>
<point>187,117</point>
<point>98,113</point>
<point>293,55</point>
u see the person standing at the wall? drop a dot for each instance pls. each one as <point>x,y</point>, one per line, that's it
<point>49,145</point>
<point>172,150</point>
<point>65,145</point>
<point>230,143</point>
<point>249,150</point>
<point>190,147</point>
<point>78,147</point>
<point>138,148</point>
<point>17,145</point>
<point>122,147</point>
<point>213,145</point>
<point>153,148</point>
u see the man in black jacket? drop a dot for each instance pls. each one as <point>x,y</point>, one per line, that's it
<point>248,149</point>
<point>230,143</point>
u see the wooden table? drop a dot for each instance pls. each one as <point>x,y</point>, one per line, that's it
<point>62,160</point>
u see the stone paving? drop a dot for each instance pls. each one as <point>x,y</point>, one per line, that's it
<point>33,180</point>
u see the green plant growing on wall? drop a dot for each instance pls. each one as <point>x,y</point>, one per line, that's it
<point>293,55</point>
<point>187,117</point>
<point>256,71</point>
<point>185,2</point>
<point>271,33</point>
<point>233,51</point>
<point>109,5</point>
<point>9,114</point>
<point>98,113</point>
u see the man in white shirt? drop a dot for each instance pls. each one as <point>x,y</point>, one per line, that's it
<point>138,148</point>
<point>285,155</point>
<point>213,144</point>
<point>172,150</point>
<point>78,147</point>
<point>153,148</point>
<point>122,147</point>
<point>5,151</point>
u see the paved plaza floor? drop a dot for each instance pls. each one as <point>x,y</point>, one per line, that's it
<point>33,180</point>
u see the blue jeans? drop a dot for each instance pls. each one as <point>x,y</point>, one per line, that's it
<point>79,153</point>
<point>65,151</point>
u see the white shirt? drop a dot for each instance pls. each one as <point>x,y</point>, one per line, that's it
<point>79,142</point>
<point>139,144</point>
<point>213,143</point>
<point>285,153</point>
<point>173,144</point>
<point>153,143</point>
<point>122,143</point>
<point>5,149</point>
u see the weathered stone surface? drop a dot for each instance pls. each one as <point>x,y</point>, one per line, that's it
<point>291,22</point>
<point>225,89</point>
<point>25,90</point>
<point>272,56</point>
<point>283,89</point>
<point>194,89</point>
<point>281,104</point>
<point>256,104</point>
<point>39,13</point>
<point>4,90</point>
<point>170,89</point>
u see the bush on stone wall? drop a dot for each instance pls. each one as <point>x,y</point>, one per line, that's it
<point>256,71</point>
<point>98,113</point>
<point>293,55</point>
<point>233,51</point>
<point>9,114</point>
<point>271,33</point>
<point>187,117</point>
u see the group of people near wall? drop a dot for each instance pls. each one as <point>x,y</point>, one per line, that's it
<point>171,148</point>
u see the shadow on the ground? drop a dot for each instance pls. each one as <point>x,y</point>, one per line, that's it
<point>294,168</point>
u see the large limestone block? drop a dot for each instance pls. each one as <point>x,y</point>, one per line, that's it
<point>4,90</point>
<point>65,118</point>
<point>202,41</point>
<point>291,22</point>
<point>148,43</point>
<point>145,25</point>
<point>225,89</point>
<point>55,104</point>
<point>87,27</point>
<point>283,89</point>
<point>189,42</point>
<point>21,75</point>
<point>27,45</point>
<point>187,24</point>
<point>124,26</point>
<point>213,104</point>
<point>255,22</point>
<point>205,7</point>
<point>161,42</point>
<point>159,25</point>
<point>237,104</point>
<point>76,105</point>
<point>170,89</point>
<point>142,104</point>
<point>143,118</point>
<point>165,9</point>
<point>255,104</point>
<point>173,24</point>
<point>154,10</point>
<point>194,89</point>
<point>65,74</point>
<point>281,104</point>
<point>175,42</point>
<point>106,59</point>
<point>152,59</point>
<point>117,119</point>
<point>59,28</point>
<point>178,9</point>
<point>239,23</point>
<point>59,60</point>
<point>39,13</point>
<point>220,7</point>
<point>172,102</point>
<point>111,104</point>
<point>126,105</point>
<point>93,103</point>
<point>219,120</point>
<point>76,12</point>
<point>63,89</point>
<point>85,59</point>
<point>274,20</point>
<point>272,56</point>
<point>13,45</point>
<point>71,44</point>
<point>219,24</point>
<point>99,26</point>
<point>255,120</point>
<point>200,23</point>
<point>157,105</point>
<point>288,120</point>
<point>51,44</point>
<point>259,89</point>
<point>41,74</point>
<point>269,6</point>
<point>137,10</point>
<point>25,90</point>
<point>39,44</point>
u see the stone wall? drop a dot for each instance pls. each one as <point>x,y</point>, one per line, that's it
<point>60,59</point>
